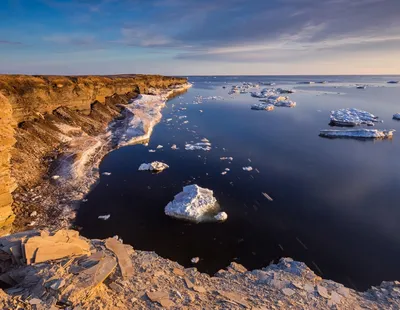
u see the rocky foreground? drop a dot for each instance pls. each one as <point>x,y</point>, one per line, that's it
<point>66,271</point>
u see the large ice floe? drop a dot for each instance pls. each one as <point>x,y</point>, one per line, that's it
<point>195,204</point>
<point>263,106</point>
<point>396,116</point>
<point>145,113</point>
<point>357,133</point>
<point>272,96</point>
<point>154,166</point>
<point>352,117</point>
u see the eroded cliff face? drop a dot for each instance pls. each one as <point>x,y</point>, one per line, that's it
<point>45,116</point>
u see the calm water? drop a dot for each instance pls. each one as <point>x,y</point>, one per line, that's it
<point>336,202</point>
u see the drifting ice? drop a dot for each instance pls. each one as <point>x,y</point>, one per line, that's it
<point>396,116</point>
<point>195,204</point>
<point>154,166</point>
<point>357,133</point>
<point>104,217</point>
<point>205,146</point>
<point>352,117</point>
<point>262,106</point>
<point>249,168</point>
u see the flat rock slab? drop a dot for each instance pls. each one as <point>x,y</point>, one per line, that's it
<point>64,243</point>
<point>162,298</point>
<point>124,260</point>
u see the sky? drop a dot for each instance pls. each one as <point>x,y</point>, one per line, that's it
<point>205,37</point>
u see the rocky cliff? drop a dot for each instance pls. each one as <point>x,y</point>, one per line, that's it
<point>41,115</point>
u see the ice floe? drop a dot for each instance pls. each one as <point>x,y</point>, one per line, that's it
<point>104,217</point>
<point>357,133</point>
<point>222,216</point>
<point>205,146</point>
<point>195,204</point>
<point>174,147</point>
<point>263,106</point>
<point>154,166</point>
<point>226,158</point>
<point>249,168</point>
<point>106,173</point>
<point>352,117</point>
<point>285,103</point>
<point>396,116</point>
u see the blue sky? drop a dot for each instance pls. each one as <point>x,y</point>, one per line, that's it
<point>189,37</point>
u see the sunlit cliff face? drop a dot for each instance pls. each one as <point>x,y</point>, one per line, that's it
<point>200,37</point>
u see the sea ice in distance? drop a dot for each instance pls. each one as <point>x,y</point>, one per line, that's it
<point>357,133</point>
<point>352,117</point>
<point>195,204</point>
<point>396,116</point>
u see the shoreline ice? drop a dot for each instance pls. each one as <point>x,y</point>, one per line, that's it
<point>357,133</point>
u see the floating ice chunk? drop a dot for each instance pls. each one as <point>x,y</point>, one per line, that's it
<point>152,151</point>
<point>224,172</point>
<point>396,116</point>
<point>262,106</point>
<point>104,217</point>
<point>267,196</point>
<point>205,140</point>
<point>226,158</point>
<point>169,119</point>
<point>194,204</point>
<point>201,111</point>
<point>185,122</point>
<point>159,146</point>
<point>357,133</point>
<point>222,216</point>
<point>174,147</point>
<point>393,82</point>
<point>154,166</point>
<point>106,173</point>
<point>249,168</point>
<point>285,91</point>
<point>227,169</point>
<point>352,117</point>
<point>195,260</point>
<point>205,146</point>
<point>285,103</point>
<point>182,117</point>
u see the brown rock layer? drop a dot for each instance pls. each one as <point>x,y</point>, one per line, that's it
<point>41,114</point>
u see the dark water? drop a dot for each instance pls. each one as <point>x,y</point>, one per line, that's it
<point>336,202</point>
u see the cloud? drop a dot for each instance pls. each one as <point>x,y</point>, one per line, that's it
<point>71,39</point>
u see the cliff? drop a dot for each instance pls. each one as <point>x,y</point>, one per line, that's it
<point>42,115</point>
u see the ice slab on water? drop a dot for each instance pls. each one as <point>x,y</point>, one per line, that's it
<point>352,117</point>
<point>357,133</point>
<point>396,116</point>
<point>262,106</point>
<point>195,204</point>
<point>205,146</point>
<point>154,166</point>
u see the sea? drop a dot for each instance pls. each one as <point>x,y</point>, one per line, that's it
<point>335,202</point>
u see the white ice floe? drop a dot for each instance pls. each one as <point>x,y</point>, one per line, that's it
<point>104,217</point>
<point>396,116</point>
<point>194,204</point>
<point>174,147</point>
<point>185,122</point>
<point>169,119</point>
<point>195,260</point>
<point>106,173</point>
<point>352,117</point>
<point>159,146</point>
<point>152,151</point>
<point>285,103</point>
<point>222,216</point>
<point>154,166</point>
<point>205,140</point>
<point>205,146</point>
<point>249,168</point>
<point>224,172</point>
<point>357,133</point>
<point>263,106</point>
<point>226,158</point>
<point>182,117</point>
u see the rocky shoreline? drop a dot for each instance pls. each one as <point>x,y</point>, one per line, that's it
<point>106,274</point>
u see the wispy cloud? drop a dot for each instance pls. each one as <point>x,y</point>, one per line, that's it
<point>6,42</point>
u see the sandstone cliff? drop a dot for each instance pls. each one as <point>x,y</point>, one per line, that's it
<point>41,114</point>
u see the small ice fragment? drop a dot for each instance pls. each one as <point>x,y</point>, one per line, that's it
<point>222,216</point>
<point>84,200</point>
<point>205,140</point>
<point>104,217</point>
<point>174,147</point>
<point>227,169</point>
<point>169,119</point>
<point>267,196</point>
<point>106,173</point>
<point>262,106</point>
<point>224,172</point>
<point>201,111</point>
<point>183,116</point>
<point>154,166</point>
<point>396,116</point>
<point>226,158</point>
<point>195,260</point>
<point>159,146</point>
<point>152,151</point>
<point>185,122</point>
<point>249,168</point>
